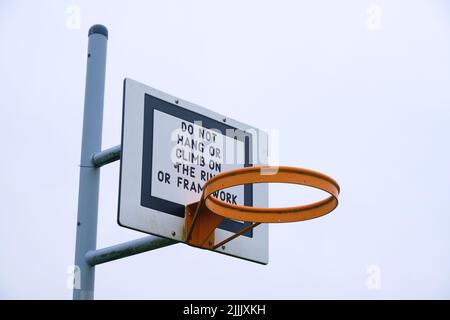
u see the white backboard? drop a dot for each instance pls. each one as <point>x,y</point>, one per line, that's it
<point>170,147</point>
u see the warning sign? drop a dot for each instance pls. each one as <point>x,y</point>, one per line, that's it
<point>186,155</point>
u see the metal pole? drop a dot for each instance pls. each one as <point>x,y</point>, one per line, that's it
<point>126,249</point>
<point>89,175</point>
<point>104,157</point>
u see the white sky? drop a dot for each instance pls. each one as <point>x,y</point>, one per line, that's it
<point>357,89</point>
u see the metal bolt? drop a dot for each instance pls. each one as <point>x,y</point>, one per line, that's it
<point>223,247</point>
<point>173,234</point>
<point>177,101</point>
<point>224,119</point>
<point>78,223</point>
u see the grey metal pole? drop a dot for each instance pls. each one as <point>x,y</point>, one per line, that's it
<point>104,157</point>
<point>127,249</point>
<point>89,175</point>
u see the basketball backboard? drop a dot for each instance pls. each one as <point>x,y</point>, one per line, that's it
<point>170,148</point>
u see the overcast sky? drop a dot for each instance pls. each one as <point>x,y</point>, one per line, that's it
<point>357,89</point>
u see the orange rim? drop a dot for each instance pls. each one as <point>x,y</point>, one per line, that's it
<point>268,174</point>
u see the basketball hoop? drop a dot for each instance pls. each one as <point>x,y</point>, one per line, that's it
<point>204,216</point>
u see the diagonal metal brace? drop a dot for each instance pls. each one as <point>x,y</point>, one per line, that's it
<point>200,224</point>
